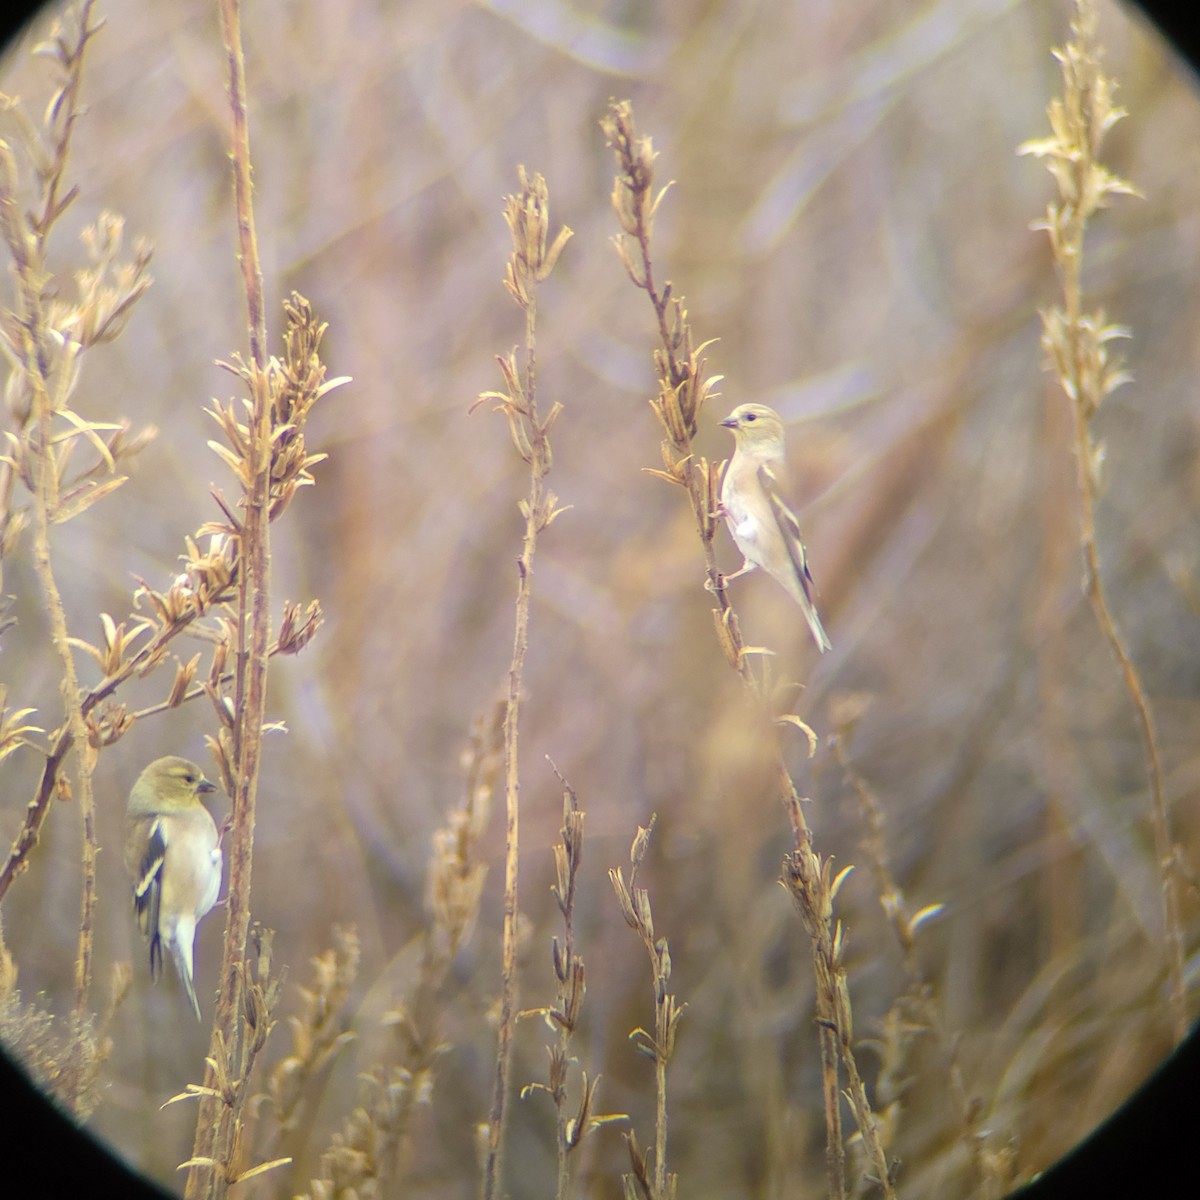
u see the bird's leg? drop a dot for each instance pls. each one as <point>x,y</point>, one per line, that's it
<point>745,569</point>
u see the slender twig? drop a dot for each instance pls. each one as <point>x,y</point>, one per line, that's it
<point>231,1067</point>
<point>570,973</point>
<point>27,236</point>
<point>919,1008</point>
<point>215,1122</point>
<point>572,1123</point>
<point>659,1046</point>
<point>531,262</point>
<point>44,499</point>
<point>1076,343</point>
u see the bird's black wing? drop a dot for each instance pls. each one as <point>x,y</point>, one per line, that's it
<point>789,527</point>
<point>147,892</point>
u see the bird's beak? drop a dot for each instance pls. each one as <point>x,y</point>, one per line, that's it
<point>206,785</point>
<point>730,422</point>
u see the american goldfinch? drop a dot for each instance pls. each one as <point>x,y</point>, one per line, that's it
<point>172,854</point>
<point>762,525</point>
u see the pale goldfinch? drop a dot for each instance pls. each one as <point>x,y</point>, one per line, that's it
<point>764,528</point>
<point>172,854</point>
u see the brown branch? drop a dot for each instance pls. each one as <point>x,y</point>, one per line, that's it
<point>215,1124</point>
<point>918,1008</point>
<point>1160,821</point>
<point>639,916</point>
<point>26,237</point>
<point>531,262</point>
<point>1076,343</point>
<point>252,283</point>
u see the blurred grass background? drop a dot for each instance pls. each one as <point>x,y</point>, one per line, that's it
<point>850,219</point>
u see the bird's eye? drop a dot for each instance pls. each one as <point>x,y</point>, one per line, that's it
<point>752,416</point>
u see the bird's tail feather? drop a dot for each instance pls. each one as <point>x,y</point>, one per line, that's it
<point>184,967</point>
<point>814,624</point>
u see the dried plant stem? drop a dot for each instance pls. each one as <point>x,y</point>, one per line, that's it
<point>77,731</point>
<point>527,215</point>
<point>810,881</point>
<point>216,1122</point>
<point>195,693</point>
<point>26,237</point>
<point>660,1129</point>
<point>1076,343</point>
<point>636,909</point>
<point>1160,821</point>
<point>230,1066</point>
<point>919,1008</point>
<point>252,281</point>
<point>569,970</point>
<point>682,393</point>
<point>831,1096</point>
<point>571,1127</point>
<point>512,806</point>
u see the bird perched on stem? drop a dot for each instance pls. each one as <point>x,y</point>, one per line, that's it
<point>173,855</point>
<point>765,529</point>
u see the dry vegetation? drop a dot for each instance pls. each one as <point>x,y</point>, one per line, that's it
<point>1007,757</point>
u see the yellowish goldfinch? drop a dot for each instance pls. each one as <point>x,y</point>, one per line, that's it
<point>763,526</point>
<point>173,855</point>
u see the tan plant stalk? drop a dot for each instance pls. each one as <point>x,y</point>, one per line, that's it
<point>532,260</point>
<point>292,384</point>
<point>230,1067</point>
<point>572,1122</point>
<point>918,1009</point>
<point>27,243</point>
<point>216,1123</point>
<point>682,391</point>
<point>44,461</point>
<point>659,1046</point>
<point>45,501</point>
<point>571,975</point>
<point>44,340</point>
<point>1076,343</point>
